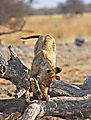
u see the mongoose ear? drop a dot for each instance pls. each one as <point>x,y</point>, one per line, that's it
<point>58,69</point>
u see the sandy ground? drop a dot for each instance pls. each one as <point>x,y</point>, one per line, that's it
<point>74,60</point>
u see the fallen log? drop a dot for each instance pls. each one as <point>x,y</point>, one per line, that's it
<point>63,107</point>
<point>70,90</point>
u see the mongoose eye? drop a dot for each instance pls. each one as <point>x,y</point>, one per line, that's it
<point>58,70</point>
<point>48,70</point>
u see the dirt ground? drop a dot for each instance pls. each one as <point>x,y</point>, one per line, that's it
<point>74,60</point>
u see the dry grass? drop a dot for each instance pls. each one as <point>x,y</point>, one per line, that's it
<point>62,27</point>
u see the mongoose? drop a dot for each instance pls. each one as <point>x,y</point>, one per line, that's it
<point>44,62</point>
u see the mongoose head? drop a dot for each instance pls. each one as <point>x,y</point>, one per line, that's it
<point>49,75</point>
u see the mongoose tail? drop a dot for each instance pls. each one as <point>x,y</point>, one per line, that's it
<point>30,37</point>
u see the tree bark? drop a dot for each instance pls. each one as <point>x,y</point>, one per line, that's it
<point>14,70</point>
<point>63,107</point>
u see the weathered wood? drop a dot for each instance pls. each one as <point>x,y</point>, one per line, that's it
<point>31,112</point>
<point>70,90</point>
<point>14,70</point>
<point>12,109</point>
<point>12,105</point>
<point>63,107</point>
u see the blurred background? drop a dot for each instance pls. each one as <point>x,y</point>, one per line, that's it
<point>68,21</point>
<point>63,19</point>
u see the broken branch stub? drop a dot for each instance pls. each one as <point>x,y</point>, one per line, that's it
<point>14,70</point>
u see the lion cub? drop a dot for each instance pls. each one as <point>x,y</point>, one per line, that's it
<point>43,65</point>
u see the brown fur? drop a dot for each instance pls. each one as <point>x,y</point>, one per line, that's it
<point>44,59</point>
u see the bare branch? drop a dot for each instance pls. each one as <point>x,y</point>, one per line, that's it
<point>17,30</point>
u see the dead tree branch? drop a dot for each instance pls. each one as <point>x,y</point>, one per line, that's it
<point>13,69</point>
<point>17,30</point>
<point>69,89</point>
